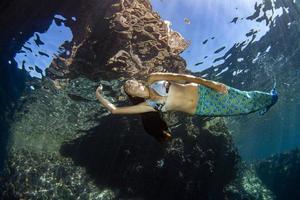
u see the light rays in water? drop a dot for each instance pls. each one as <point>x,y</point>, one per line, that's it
<point>212,21</point>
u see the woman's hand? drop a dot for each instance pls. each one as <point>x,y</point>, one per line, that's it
<point>99,89</point>
<point>104,101</point>
<point>99,93</point>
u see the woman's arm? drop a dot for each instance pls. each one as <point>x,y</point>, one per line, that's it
<point>136,109</point>
<point>219,87</point>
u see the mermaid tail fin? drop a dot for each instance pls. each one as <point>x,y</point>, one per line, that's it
<point>274,100</point>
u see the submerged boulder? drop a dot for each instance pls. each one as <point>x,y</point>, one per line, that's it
<point>128,39</point>
<point>281,174</point>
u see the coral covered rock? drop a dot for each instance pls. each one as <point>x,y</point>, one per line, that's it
<point>142,43</point>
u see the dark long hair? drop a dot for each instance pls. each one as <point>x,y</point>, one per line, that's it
<point>153,122</point>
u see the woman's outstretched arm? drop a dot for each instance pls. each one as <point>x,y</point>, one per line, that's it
<point>219,87</point>
<point>136,109</point>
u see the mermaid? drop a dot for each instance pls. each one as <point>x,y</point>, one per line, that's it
<point>190,94</point>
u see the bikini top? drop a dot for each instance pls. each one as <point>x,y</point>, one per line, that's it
<point>162,89</point>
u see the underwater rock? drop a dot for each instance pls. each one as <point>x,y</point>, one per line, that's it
<point>44,175</point>
<point>281,174</point>
<point>45,118</point>
<point>65,148</point>
<point>247,185</point>
<point>129,40</point>
<point>197,164</point>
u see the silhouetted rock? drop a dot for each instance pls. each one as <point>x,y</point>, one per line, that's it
<point>189,167</point>
<point>281,174</point>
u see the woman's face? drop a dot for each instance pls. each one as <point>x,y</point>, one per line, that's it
<point>136,89</point>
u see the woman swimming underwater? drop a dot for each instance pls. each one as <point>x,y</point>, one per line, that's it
<point>192,95</point>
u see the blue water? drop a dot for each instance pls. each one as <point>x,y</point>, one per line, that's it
<point>215,30</point>
<point>211,22</point>
<point>246,44</point>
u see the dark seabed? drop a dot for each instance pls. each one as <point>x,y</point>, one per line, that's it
<point>58,142</point>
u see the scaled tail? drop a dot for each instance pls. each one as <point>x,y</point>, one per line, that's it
<point>273,101</point>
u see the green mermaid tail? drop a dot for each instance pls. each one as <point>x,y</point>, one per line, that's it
<point>236,102</point>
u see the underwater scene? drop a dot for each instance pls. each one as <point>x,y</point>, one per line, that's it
<point>150,99</point>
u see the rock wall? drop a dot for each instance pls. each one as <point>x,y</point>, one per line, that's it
<point>281,173</point>
<point>142,43</point>
<point>72,148</point>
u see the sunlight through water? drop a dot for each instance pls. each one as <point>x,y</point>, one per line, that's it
<point>214,27</point>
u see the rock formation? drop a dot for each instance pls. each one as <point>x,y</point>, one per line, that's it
<point>142,43</point>
<point>281,174</point>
